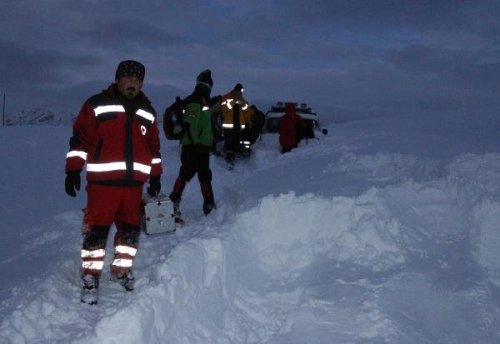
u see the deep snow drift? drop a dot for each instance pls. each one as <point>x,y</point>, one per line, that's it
<point>386,230</point>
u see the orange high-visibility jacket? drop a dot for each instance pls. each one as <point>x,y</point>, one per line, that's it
<point>227,107</point>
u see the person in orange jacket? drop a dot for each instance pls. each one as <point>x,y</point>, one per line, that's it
<point>116,136</point>
<point>236,117</point>
<point>291,128</point>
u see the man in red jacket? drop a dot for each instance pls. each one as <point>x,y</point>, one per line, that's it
<point>291,128</point>
<point>116,136</point>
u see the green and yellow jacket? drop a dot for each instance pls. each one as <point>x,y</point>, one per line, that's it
<point>197,120</point>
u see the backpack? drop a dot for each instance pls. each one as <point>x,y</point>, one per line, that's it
<point>173,122</point>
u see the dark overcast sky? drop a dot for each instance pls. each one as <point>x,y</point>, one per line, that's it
<point>349,56</point>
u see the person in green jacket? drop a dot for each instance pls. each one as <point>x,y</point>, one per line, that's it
<point>196,141</point>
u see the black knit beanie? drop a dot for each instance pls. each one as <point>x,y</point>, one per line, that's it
<point>205,79</point>
<point>130,68</point>
<point>238,87</point>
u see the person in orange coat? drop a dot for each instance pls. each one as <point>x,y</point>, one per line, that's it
<point>236,117</point>
<point>291,128</point>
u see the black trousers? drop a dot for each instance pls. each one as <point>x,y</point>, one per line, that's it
<point>195,159</point>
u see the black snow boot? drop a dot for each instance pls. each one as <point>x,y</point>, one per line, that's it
<point>126,280</point>
<point>208,197</point>
<point>89,289</point>
<point>175,196</point>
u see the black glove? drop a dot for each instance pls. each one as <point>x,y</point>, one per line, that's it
<point>154,186</point>
<point>72,182</point>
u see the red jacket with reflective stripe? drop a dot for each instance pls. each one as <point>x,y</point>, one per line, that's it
<point>117,138</point>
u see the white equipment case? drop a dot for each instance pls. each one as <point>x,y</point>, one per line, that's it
<point>158,215</point>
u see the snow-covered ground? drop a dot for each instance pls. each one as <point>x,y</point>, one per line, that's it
<point>387,230</point>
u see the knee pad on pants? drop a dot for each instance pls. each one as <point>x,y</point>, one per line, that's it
<point>130,234</point>
<point>96,237</point>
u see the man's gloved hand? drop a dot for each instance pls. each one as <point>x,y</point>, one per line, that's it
<point>72,182</point>
<point>154,186</point>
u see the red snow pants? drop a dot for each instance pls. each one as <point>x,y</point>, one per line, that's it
<point>105,205</point>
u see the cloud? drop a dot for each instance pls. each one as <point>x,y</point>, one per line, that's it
<point>389,53</point>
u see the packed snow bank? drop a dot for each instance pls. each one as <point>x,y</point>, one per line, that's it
<point>256,276</point>
<point>303,229</point>
<point>477,181</point>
